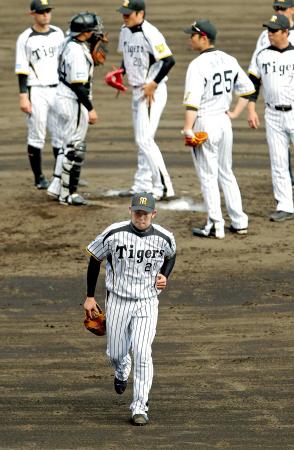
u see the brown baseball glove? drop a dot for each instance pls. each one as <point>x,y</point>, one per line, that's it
<point>198,139</point>
<point>97,325</point>
<point>98,47</point>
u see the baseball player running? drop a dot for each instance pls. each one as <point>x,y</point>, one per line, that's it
<point>211,80</point>
<point>286,8</point>
<point>273,68</point>
<point>140,257</point>
<point>147,60</point>
<point>74,108</point>
<point>37,51</point>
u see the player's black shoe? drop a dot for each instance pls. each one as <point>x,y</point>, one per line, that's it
<point>140,420</point>
<point>120,385</point>
<point>240,231</point>
<point>42,183</point>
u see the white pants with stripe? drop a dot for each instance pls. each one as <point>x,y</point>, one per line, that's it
<point>280,135</point>
<point>131,328</point>
<point>213,163</point>
<point>42,117</point>
<point>151,175</point>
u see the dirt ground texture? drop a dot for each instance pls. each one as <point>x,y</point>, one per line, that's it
<point>223,353</point>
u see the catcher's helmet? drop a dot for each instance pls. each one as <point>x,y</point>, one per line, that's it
<point>84,21</point>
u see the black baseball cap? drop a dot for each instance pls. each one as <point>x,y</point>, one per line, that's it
<point>130,6</point>
<point>143,201</point>
<point>40,5</point>
<point>284,3</point>
<point>278,22</point>
<point>203,27</point>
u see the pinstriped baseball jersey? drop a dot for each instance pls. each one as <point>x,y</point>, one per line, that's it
<point>37,56</point>
<point>134,258</point>
<point>142,51</point>
<point>210,89</point>
<point>263,42</point>
<point>75,66</point>
<point>276,69</point>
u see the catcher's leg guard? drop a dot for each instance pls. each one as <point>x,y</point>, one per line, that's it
<point>71,169</point>
<point>55,184</point>
<point>34,155</point>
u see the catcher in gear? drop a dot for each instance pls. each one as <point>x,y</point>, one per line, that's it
<point>98,44</point>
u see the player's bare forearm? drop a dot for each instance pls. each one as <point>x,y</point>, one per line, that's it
<point>253,119</point>
<point>161,281</point>
<point>24,103</point>
<point>239,108</point>
<point>190,119</point>
<point>92,117</point>
<point>90,306</point>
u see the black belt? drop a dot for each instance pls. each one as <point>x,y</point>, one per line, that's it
<point>52,85</point>
<point>283,108</point>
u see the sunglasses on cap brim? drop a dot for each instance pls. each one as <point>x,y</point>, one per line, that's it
<point>44,11</point>
<point>273,30</point>
<point>197,30</point>
<point>279,8</point>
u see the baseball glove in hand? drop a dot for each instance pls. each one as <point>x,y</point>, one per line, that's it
<point>97,325</point>
<point>98,47</point>
<point>198,139</point>
<point>115,79</point>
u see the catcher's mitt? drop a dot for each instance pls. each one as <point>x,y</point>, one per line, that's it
<point>98,43</point>
<point>115,79</point>
<point>97,325</point>
<point>198,139</point>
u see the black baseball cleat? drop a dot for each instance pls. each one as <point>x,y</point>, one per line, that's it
<point>42,183</point>
<point>120,385</point>
<point>240,231</point>
<point>140,420</point>
<point>212,233</point>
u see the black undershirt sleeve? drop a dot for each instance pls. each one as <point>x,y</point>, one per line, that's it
<point>82,93</point>
<point>168,63</point>
<point>257,83</point>
<point>92,276</point>
<point>168,266</point>
<point>22,82</point>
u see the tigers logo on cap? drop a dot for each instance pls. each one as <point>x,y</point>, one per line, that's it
<point>143,201</point>
<point>44,2</point>
<point>126,3</point>
<point>273,19</point>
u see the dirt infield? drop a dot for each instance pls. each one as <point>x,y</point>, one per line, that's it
<point>223,353</point>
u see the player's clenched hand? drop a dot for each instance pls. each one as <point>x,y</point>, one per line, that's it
<point>25,104</point>
<point>92,117</point>
<point>90,307</point>
<point>149,89</point>
<point>161,281</point>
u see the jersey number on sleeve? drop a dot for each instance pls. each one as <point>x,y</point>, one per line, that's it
<point>218,82</point>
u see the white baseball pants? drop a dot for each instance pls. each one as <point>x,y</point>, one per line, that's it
<point>42,117</point>
<point>151,174</point>
<point>280,135</point>
<point>131,327</point>
<point>213,163</point>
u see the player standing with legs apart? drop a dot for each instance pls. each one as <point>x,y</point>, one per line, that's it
<point>36,66</point>
<point>285,8</point>
<point>273,68</point>
<point>146,60</point>
<point>140,257</point>
<point>211,80</point>
<point>73,105</point>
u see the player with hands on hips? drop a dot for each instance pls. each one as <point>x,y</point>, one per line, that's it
<point>140,256</point>
<point>74,108</point>
<point>147,60</point>
<point>37,51</point>
<point>273,69</point>
<point>211,80</point>
<point>285,8</point>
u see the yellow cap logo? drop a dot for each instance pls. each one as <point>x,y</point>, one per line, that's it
<point>273,19</point>
<point>126,3</point>
<point>143,201</point>
<point>44,2</point>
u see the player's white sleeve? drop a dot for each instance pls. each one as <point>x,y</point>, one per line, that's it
<point>78,66</point>
<point>243,85</point>
<point>254,67</point>
<point>262,42</point>
<point>194,86</point>
<point>156,40</point>
<point>120,41</point>
<point>99,248</point>
<point>21,62</point>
